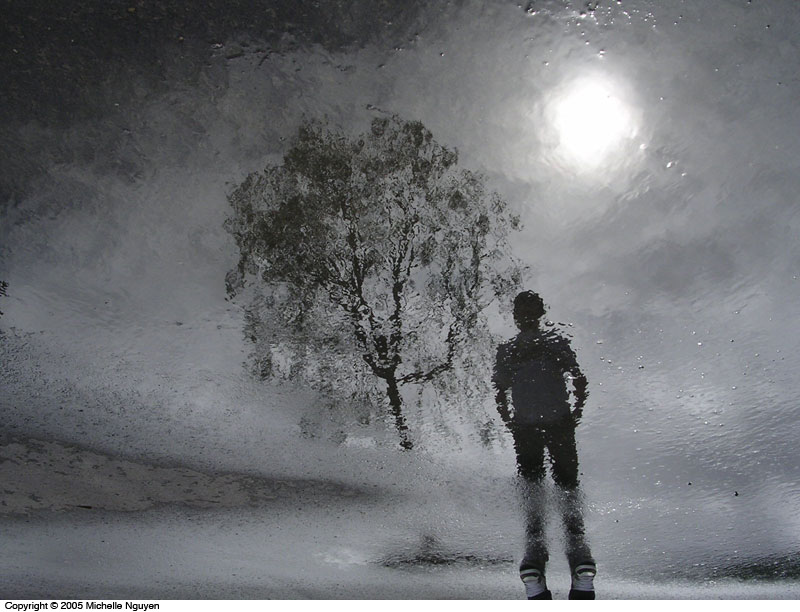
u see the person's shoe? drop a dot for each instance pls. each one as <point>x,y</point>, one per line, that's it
<point>535,584</point>
<point>583,581</point>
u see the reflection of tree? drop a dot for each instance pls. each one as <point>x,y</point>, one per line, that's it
<point>373,257</point>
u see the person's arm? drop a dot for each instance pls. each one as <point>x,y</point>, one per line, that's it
<point>502,405</point>
<point>579,383</point>
<point>501,382</point>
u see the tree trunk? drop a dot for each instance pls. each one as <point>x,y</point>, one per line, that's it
<point>396,408</point>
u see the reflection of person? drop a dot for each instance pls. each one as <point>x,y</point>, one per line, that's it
<point>533,366</point>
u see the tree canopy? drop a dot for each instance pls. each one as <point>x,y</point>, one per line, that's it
<point>377,254</point>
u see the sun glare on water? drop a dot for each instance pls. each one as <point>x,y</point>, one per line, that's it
<point>592,123</point>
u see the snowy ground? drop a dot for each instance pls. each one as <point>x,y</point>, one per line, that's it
<point>79,524</point>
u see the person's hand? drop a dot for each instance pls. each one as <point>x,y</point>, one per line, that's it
<point>502,406</point>
<point>581,391</point>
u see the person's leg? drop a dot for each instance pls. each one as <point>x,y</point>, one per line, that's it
<point>529,445</point>
<point>564,458</point>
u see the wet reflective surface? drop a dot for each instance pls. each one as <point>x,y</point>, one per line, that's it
<point>650,152</point>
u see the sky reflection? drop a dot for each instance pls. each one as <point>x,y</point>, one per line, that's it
<point>590,125</point>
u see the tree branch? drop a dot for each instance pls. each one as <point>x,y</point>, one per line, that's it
<point>400,277</point>
<point>419,376</point>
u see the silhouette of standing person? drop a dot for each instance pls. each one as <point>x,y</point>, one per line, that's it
<point>533,366</point>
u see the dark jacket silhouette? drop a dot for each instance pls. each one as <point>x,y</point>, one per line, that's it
<point>533,365</point>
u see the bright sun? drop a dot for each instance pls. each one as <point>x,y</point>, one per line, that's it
<point>592,121</point>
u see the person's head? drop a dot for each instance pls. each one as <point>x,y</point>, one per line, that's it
<point>528,309</point>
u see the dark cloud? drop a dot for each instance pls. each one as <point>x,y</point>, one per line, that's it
<point>69,63</point>
<point>684,269</point>
<point>59,58</point>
